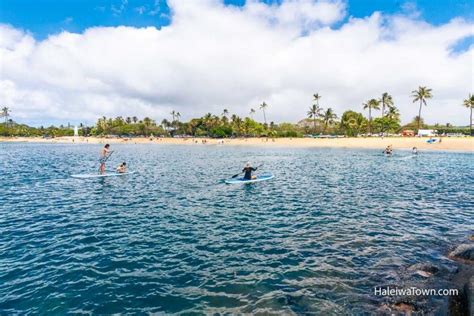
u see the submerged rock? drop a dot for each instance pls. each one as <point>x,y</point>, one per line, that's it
<point>424,269</point>
<point>406,308</point>
<point>463,304</point>
<point>399,308</point>
<point>463,252</point>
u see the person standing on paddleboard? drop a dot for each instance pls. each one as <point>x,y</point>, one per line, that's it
<point>104,155</point>
<point>248,171</point>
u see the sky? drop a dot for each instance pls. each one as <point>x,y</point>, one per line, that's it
<point>73,61</point>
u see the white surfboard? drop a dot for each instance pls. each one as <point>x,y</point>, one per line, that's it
<point>98,175</point>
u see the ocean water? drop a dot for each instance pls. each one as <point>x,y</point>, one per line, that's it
<point>332,225</point>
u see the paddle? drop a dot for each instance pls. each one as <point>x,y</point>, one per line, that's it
<point>106,158</point>
<point>236,175</point>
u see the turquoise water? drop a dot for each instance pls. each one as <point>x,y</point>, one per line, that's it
<point>331,225</point>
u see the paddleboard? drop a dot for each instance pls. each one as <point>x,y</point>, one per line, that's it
<point>97,175</point>
<point>263,177</point>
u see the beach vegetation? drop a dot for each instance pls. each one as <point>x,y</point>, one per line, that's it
<point>319,122</point>
<point>263,107</point>
<point>421,95</point>
<point>372,104</point>
<point>314,113</point>
<point>353,123</point>
<point>469,103</point>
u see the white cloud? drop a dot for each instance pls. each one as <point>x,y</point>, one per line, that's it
<point>213,56</point>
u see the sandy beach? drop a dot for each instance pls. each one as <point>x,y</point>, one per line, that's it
<point>447,143</point>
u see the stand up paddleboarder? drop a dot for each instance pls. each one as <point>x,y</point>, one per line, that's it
<point>104,155</point>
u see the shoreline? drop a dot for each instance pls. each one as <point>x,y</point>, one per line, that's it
<point>464,144</point>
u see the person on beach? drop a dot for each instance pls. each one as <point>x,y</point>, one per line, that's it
<point>248,169</point>
<point>104,155</point>
<point>414,151</point>
<point>122,168</point>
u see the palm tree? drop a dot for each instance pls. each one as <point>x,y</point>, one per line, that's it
<point>128,120</point>
<point>252,112</point>
<point>238,125</point>
<point>328,117</point>
<point>386,101</point>
<point>263,106</point>
<point>224,118</point>
<point>147,123</point>
<point>316,98</point>
<point>233,118</point>
<point>421,95</point>
<point>166,124</point>
<point>103,125</point>
<point>393,113</point>
<point>5,113</point>
<point>371,104</point>
<point>469,103</point>
<point>135,119</point>
<point>173,114</point>
<point>314,112</point>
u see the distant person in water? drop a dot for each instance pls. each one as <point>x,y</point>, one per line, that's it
<point>122,168</point>
<point>388,150</point>
<point>104,155</point>
<point>248,169</point>
<point>414,151</point>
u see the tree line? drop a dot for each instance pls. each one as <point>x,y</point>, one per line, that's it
<point>319,120</point>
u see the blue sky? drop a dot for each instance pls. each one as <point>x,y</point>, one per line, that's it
<point>281,54</point>
<point>44,17</point>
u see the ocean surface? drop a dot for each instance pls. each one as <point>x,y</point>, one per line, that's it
<point>332,225</point>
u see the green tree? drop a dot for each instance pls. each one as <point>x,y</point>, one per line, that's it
<point>314,113</point>
<point>252,112</point>
<point>224,117</point>
<point>316,98</point>
<point>6,114</point>
<point>387,101</point>
<point>147,123</point>
<point>372,104</point>
<point>421,95</point>
<point>263,106</point>
<point>469,103</point>
<point>352,123</point>
<point>393,113</point>
<point>328,117</point>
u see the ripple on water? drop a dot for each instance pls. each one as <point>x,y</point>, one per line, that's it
<point>330,226</point>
